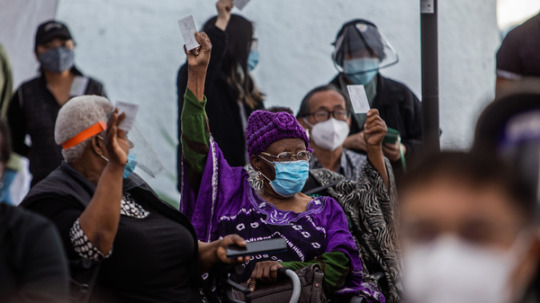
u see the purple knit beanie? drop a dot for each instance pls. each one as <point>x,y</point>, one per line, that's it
<point>264,128</point>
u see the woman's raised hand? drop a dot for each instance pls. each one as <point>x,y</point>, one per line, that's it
<point>224,8</point>
<point>116,140</point>
<point>199,58</point>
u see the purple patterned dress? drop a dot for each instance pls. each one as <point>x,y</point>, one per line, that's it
<point>227,204</point>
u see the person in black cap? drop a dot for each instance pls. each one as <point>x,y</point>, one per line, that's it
<point>34,106</point>
<point>360,52</point>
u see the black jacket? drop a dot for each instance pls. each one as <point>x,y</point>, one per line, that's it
<point>398,107</point>
<point>222,109</point>
<point>70,190</point>
<point>33,265</point>
<point>32,111</point>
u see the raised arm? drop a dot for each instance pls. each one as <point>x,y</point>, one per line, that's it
<point>195,136</point>
<point>100,219</point>
<point>374,132</point>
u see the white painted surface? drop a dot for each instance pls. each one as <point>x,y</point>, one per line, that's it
<point>135,48</point>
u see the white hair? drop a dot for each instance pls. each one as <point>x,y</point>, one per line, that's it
<point>76,115</point>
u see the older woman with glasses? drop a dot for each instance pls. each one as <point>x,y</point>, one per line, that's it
<point>219,199</point>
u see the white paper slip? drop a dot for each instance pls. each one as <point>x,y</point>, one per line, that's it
<point>240,4</point>
<point>359,99</point>
<point>187,27</point>
<point>131,110</point>
<point>78,86</point>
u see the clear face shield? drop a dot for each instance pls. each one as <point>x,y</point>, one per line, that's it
<point>360,48</point>
<point>520,146</point>
<point>142,159</point>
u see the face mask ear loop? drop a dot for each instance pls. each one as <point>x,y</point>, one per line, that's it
<point>261,173</point>
<point>103,157</point>
<point>307,122</point>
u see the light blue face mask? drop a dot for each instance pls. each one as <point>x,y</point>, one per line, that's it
<point>361,70</point>
<point>253,59</point>
<point>290,178</point>
<point>130,165</point>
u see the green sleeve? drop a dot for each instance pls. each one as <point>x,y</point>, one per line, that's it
<point>195,134</point>
<point>335,266</point>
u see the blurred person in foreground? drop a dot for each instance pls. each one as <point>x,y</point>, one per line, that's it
<point>360,52</point>
<point>121,239</point>
<point>510,128</point>
<point>229,83</point>
<point>33,264</point>
<point>219,199</point>
<point>34,106</point>
<point>467,230</point>
<point>518,56</point>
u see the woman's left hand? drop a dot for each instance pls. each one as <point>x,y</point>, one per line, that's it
<point>265,271</point>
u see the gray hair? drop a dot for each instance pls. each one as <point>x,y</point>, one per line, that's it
<point>76,115</point>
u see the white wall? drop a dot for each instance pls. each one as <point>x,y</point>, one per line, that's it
<point>134,47</point>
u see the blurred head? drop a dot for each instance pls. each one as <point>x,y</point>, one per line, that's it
<point>279,149</point>
<point>467,229</point>
<point>360,50</point>
<point>325,115</point>
<point>54,46</point>
<point>510,127</point>
<point>241,40</point>
<point>80,124</point>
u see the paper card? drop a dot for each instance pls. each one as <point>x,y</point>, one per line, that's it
<point>240,4</point>
<point>187,27</point>
<point>131,110</point>
<point>78,86</point>
<point>359,99</point>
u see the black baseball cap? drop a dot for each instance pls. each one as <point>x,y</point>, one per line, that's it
<point>49,30</point>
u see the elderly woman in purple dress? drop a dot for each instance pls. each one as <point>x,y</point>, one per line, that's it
<point>219,200</point>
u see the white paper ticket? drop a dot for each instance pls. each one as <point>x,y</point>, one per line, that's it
<point>187,27</point>
<point>240,4</point>
<point>359,99</point>
<point>131,110</point>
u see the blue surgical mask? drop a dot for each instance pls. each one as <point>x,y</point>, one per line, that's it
<point>290,178</point>
<point>130,165</point>
<point>361,70</point>
<point>57,60</point>
<point>253,59</point>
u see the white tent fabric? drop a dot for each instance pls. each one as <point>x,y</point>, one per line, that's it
<point>18,23</point>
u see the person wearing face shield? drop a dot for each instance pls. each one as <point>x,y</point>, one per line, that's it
<point>467,231</point>
<point>34,106</point>
<point>360,52</point>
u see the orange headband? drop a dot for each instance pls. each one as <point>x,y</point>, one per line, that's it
<point>85,134</point>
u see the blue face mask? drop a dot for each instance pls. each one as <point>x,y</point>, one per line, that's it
<point>253,59</point>
<point>361,70</point>
<point>290,178</point>
<point>130,165</point>
<point>57,60</point>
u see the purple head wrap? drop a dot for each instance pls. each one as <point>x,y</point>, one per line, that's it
<point>264,128</point>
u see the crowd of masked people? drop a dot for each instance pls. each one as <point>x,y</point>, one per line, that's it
<point>453,226</point>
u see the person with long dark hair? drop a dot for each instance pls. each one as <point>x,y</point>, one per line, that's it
<point>229,84</point>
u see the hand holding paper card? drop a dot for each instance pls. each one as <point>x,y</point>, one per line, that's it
<point>131,110</point>
<point>240,4</point>
<point>187,27</point>
<point>359,99</point>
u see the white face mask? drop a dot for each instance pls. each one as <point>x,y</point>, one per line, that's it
<point>330,134</point>
<point>451,270</point>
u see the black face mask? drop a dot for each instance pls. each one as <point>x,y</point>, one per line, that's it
<point>57,60</point>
